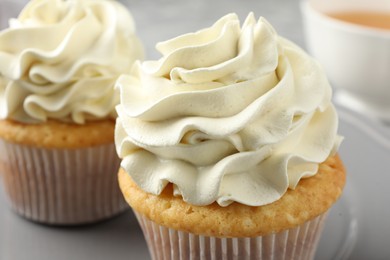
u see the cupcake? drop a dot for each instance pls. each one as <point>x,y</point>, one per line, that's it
<point>229,145</point>
<point>59,61</point>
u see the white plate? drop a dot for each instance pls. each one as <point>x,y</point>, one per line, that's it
<point>358,226</point>
<point>340,231</point>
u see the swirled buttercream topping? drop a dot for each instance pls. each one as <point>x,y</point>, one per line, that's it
<point>60,60</point>
<point>229,113</point>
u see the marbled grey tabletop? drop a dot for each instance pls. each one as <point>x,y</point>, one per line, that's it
<point>358,226</point>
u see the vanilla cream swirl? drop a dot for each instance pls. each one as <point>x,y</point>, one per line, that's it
<point>60,60</point>
<point>228,114</point>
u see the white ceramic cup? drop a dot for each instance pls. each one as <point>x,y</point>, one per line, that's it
<point>355,57</point>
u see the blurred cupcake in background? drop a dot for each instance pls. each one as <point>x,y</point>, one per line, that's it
<point>59,61</point>
<point>229,145</point>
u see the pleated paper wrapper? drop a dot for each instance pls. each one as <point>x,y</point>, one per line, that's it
<point>61,186</point>
<point>168,244</point>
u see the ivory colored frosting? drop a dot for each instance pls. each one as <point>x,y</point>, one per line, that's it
<point>60,60</point>
<point>229,113</point>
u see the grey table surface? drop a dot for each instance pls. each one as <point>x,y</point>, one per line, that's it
<point>357,227</point>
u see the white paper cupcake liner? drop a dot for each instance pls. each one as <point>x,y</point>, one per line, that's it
<point>61,186</point>
<point>298,243</point>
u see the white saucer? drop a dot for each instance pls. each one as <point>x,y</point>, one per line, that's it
<point>341,229</point>
<point>358,226</point>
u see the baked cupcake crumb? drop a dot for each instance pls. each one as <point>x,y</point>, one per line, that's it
<point>55,134</point>
<point>312,197</point>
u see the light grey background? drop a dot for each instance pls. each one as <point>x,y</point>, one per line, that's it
<point>358,224</point>
<point>160,20</point>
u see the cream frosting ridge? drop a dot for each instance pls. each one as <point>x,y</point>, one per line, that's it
<point>230,113</point>
<point>60,60</point>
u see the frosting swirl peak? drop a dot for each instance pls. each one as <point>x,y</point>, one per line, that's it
<point>60,60</point>
<point>229,113</point>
